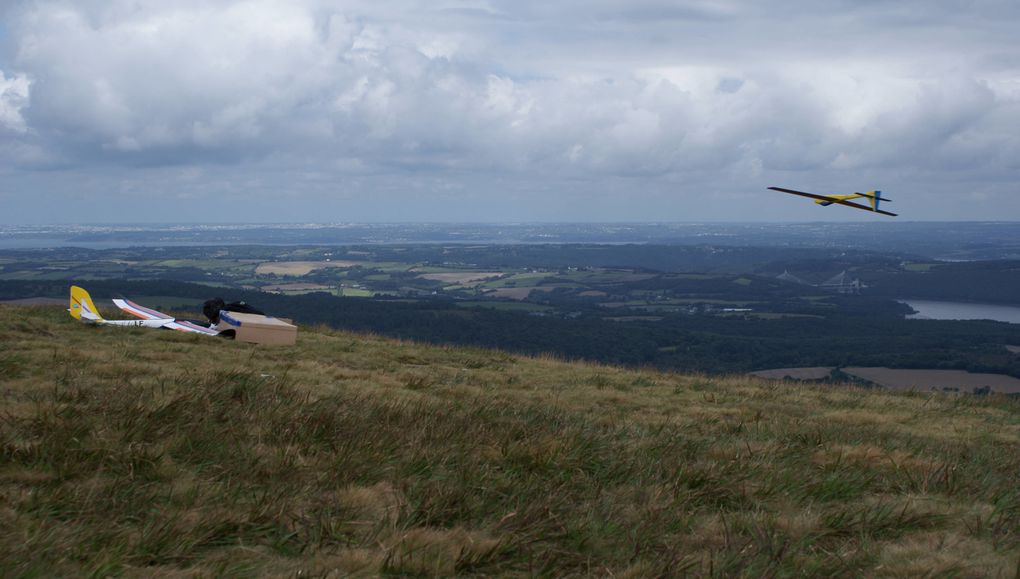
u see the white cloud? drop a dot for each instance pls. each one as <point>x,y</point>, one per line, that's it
<point>14,94</point>
<point>526,95</point>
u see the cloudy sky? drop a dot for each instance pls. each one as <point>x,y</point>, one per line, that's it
<point>474,110</point>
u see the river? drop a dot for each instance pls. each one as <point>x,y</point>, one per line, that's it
<point>932,310</point>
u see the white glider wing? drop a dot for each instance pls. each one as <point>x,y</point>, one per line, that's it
<point>170,322</point>
<point>140,311</point>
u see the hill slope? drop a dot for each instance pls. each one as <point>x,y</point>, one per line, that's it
<point>144,452</point>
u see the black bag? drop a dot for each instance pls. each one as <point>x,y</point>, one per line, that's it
<point>211,309</point>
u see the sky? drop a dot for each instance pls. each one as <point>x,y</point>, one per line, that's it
<point>489,111</point>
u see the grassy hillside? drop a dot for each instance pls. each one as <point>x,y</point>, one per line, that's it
<point>140,452</point>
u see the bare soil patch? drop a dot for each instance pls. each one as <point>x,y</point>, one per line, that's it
<point>461,277</point>
<point>515,293</point>
<point>298,267</point>
<point>927,380</point>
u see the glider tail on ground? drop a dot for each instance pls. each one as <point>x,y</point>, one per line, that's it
<point>81,306</point>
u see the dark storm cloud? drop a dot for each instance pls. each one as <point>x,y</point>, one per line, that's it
<point>521,110</point>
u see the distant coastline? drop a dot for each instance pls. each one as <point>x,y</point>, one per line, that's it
<point>940,241</point>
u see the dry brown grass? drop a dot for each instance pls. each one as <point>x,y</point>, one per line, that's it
<point>142,453</point>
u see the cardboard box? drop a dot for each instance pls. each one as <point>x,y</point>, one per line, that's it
<point>258,329</point>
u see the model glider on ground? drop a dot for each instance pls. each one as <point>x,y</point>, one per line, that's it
<point>83,309</point>
<point>875,197</point>
<point>236,320</point>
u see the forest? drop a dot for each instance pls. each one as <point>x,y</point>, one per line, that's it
<point>858,331</point>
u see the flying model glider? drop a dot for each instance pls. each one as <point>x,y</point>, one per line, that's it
<point>875,197</point>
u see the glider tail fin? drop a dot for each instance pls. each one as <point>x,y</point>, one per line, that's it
<point>81,306</point>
